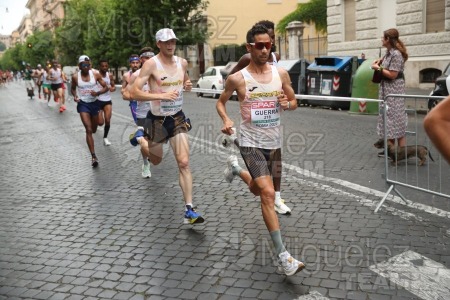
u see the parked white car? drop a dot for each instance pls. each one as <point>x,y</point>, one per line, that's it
<point>211,79</point>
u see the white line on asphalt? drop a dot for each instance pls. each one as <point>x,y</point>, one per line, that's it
<point>418,274</point>
<point>313,295</point>
<point>309,174</point>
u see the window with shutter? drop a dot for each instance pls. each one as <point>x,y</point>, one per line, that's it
<point>435,16</point>
<point>349,20</point>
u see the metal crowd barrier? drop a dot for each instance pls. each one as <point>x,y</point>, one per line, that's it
<point>407,173</point>
<point>426,178</point>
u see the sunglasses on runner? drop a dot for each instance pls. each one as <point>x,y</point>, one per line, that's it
<point>262,45</point>
<point>84,65</point>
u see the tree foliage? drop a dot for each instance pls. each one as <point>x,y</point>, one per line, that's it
<point>113,30</point>
<point>314,11</point>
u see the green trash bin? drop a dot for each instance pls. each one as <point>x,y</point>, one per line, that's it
<point>363,87</point>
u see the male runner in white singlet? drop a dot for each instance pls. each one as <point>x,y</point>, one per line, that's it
<point>167,76</point>
<point>263,91</point>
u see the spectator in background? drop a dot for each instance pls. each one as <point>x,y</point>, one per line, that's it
<point>391,67</point>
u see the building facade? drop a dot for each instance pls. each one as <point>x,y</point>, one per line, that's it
<point>424,26</point>
<point>46,14</point>
<point>25,29</point>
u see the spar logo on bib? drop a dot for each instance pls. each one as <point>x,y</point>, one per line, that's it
<point>265,104</point>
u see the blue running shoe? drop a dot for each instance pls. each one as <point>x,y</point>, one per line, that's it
<point>192,217</point>
<point>133,137</point>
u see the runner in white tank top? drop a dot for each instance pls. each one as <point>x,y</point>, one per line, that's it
<point>167,82</point>
<point>84,90</point>
<point>143,107</point>
<point>263,91</point>
<point>167,75</point>
<point>280,206</point>
<point>260,112</point>
<point>105,102</point>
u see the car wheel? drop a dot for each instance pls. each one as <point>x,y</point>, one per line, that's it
<point>199,94</point>
<point>215,96</point>
<point>433,102</point>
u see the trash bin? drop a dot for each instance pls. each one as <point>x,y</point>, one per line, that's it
<point>297,71</point>
<point>363,87</point>
<point>331,76</point>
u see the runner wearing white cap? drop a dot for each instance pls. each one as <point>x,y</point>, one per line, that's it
<point>167,76</point>
<point>85,91</point>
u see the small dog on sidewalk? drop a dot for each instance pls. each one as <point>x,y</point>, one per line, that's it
<point>400,153</point>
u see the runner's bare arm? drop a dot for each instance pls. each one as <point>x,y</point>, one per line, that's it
<point>113,85</point>
<point>230,87</point>
<point>135,88</point>
<point>125,93</point>
<point>73,87</point>
<point>100,80</point>
<point>187,84</point>
<point>242,63</point>
<point>287,100</point>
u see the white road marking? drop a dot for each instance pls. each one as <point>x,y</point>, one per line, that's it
<point>309,174</point>
<point>313,295</point>
<point>418,274</point>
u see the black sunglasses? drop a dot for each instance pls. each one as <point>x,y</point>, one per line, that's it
<point>261,45</point>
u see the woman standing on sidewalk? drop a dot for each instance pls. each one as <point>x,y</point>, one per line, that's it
<point>391,67</point>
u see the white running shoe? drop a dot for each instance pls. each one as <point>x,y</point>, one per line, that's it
<point>146,171</point>
<point>282,208</point>
<point>228,172</point>
<point>228,140</point>
<point>106,142</point>
<point>288,265</point>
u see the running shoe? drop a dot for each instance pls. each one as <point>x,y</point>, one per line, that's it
<point>288,265</point>
<point>146,171</point>
<point>381,154</point>
<point>39,96</point>
<point>133,137</point>
<point>228,140</point>
<point>228,172</point>
<point>282,208</point>
<point>192,217</point>
<point>94,162</point>
<point>106,142</point>
<point>61,109</point>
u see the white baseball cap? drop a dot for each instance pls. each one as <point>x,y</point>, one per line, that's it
<point>39,65</point>
<point>83,58</point>
<point>165,34</point>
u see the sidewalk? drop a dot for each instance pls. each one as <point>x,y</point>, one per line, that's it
<point>68,231</point>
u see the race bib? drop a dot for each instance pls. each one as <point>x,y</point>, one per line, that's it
<point>265,114</point>
<point>171,107</point>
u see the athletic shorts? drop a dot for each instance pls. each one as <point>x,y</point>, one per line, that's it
<point>140,121</point>
<point>56,86</point>
<point>161,128</point>
<point>91,108</point>
<point>262,162</point>
<point>47,86</point>
<point>29,84</point>
<point>102,104</point>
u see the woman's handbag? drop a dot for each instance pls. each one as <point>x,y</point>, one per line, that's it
<point>376,76</point>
